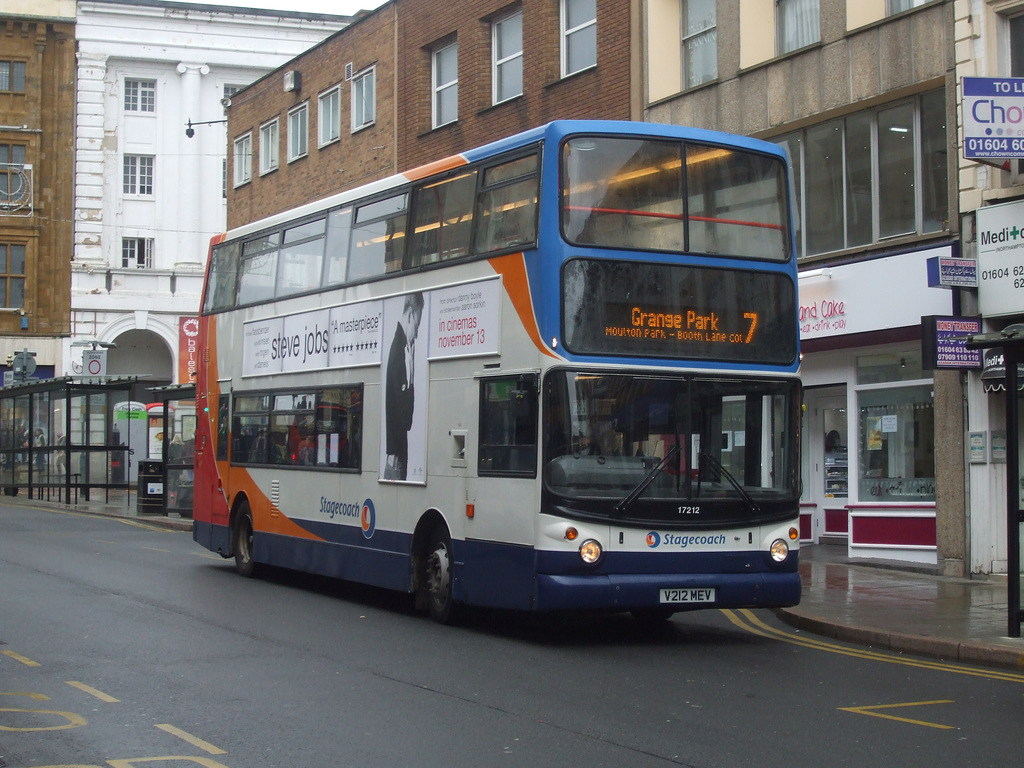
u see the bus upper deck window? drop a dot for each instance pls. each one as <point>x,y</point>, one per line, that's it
<point>507,208</point>
<point>736,203</point>
<point>623,193</point>
<point>378,238</point>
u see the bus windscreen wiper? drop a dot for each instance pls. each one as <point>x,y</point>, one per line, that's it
<point>627,502</point>
<point>732,481</point>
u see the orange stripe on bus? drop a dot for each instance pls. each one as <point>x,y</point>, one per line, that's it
<point>512,269</point>
<point>438,166</point>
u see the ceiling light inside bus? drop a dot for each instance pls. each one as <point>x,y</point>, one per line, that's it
<point>590,551</point>
<point>779,550</point>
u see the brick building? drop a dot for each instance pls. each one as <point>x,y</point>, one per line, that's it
<point>37,108</point>
<point>415,81</point>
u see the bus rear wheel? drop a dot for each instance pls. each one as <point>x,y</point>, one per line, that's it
<point>439,577</point>
<point>244,562</point>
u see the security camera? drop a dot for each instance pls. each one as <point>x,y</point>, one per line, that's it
<point>225,102</point>
<point>190,132</point>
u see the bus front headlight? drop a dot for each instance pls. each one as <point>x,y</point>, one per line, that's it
<point>779,550</point>
<point>590,551</point>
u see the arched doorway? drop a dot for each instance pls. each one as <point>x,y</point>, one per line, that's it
<point>143,354</point>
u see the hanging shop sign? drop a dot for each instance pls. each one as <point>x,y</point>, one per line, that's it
<point>944,343</point>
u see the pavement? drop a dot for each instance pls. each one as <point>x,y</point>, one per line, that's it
<point>887,605</point>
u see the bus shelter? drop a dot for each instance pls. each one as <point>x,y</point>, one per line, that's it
<point>62,437</point>
<point>168,471</point>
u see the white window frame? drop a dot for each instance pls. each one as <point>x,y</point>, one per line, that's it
<point>229,92</point>
<point>328,116</point>
<point>497,64</point>
<point>567,33</point>
<point>138,101</point>
<point>137,175</point>
<point>270,146</point>
<point>242,170</point>
<point>364,110</point>
<point>136,253</point>
<point>438,89</point>
<point>298,132</point>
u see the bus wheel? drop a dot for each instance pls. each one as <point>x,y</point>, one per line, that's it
<point>244,563</point>
<point>440,589</point>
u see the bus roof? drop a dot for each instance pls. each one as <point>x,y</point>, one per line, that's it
<point>552,132</point>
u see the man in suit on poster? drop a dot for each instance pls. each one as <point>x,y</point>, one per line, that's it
<point>399,392</point>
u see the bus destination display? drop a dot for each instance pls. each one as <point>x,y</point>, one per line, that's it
<point>679,312</point>
<point>715,327</point>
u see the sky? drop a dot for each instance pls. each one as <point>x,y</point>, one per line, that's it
<point>339,7</point>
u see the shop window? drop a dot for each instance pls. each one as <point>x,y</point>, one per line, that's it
<point>896,430</point>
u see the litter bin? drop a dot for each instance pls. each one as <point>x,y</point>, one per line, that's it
<point>151,487</point>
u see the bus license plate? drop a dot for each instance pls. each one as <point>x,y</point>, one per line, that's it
<point>692,595</point>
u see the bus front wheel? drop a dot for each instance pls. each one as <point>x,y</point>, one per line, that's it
<point>244,563</point>
<point>439,577</point>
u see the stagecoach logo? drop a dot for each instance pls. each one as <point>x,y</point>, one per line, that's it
<point>653,539</point>
<point>368,519</point>
<point>190,327</point>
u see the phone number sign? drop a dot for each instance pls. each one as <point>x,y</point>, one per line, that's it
<point>993,117</point>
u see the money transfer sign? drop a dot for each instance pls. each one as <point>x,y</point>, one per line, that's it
<point>993,117</point>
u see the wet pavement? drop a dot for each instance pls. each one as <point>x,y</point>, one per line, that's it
<point>882,604</point>
<point>904,608</point>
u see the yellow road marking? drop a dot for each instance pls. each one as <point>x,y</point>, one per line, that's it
<point>147,527</point>
<point>195,741</point>
<point>758,627</point>
<point>871,712</point>
<point>36,696</point>
<point>73,720</point>
<point>23,659</point>
<point>134,762</point>
<point>92,691</point>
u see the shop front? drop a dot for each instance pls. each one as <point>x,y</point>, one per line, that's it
<point>869,426</point>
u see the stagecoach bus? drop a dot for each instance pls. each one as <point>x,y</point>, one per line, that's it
<point>556,372</point>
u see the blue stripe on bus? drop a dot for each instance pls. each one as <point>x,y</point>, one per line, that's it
<point>521,578</point>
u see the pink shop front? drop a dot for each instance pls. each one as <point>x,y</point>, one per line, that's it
<point>869,425</point>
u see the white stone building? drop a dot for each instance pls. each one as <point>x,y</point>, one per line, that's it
<point>149,196</point>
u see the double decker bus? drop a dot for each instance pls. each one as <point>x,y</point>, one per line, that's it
<point>557,372</point>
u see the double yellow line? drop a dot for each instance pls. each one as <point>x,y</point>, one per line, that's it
<point>747,621</point>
